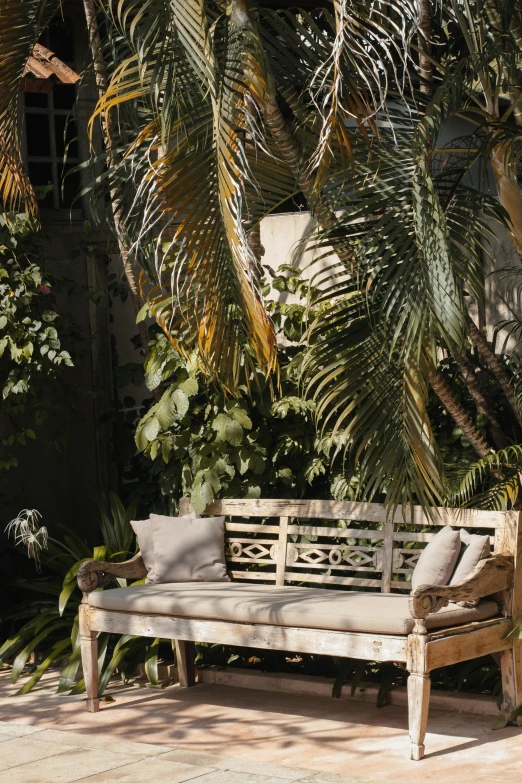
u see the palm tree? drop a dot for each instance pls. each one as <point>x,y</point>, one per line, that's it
<point>220,111</point>
<point>233,100</point>
<point>419,263</point>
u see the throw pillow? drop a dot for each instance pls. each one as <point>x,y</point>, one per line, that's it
<point>473,549</point>
<point>437,562</point>
<point>188,549</point>
<point>143,530</point>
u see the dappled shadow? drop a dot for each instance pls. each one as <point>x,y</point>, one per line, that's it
<point>279,728</point>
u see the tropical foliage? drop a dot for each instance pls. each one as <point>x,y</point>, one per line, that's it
<point>207,444</point>
<point>32,357</point>
<point>245,106</point>
<point>215,113</point>
<point>44,627</point>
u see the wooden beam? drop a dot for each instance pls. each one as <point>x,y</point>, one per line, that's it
<point>373,647</point>
<point>463,646</point>
<point>365,512</point>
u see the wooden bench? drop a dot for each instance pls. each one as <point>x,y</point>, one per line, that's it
<point>285,543</point>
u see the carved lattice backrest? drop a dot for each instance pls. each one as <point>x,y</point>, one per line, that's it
<point>340,543</point>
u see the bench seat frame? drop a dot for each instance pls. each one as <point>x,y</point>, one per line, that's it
<point>422,650</point>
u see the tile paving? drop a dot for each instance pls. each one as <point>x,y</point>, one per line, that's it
<point>32,755</point>
<point>219,734</point>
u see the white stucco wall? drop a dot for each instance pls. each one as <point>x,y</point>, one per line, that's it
<point>283,238</point>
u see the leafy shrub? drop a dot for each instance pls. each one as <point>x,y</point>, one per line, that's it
<point>207,444</point>
<point>32,357</point>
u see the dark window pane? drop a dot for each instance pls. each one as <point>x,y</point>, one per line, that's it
<point>42,174</point>
<point>61,38</point>
<point>38,137</point>
<point>64,96</point>
<point>296,203</point>
<point>36,99</point>
<point>60,126</point>
<point>69,188</point>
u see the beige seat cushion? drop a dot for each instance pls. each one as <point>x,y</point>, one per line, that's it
<point>304,607</point>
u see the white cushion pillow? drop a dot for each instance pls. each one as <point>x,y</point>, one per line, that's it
<point>188,549</point>
<point>143,530</point>
<point>436,564</point>
<point>473,549</point>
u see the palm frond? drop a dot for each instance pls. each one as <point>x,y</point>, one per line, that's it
<point>502,471</point>
<point>374,401</point>
<point>416,243</point>
<point>351,85</point>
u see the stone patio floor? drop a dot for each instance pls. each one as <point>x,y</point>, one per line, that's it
<point>218,734</point>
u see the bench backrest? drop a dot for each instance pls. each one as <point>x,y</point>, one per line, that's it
<point>341,543</point>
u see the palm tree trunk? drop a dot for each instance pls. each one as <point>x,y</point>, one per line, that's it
<point>265,95</point>
<point>291,152</point>
<point>479,339</point>
<point>457,412</point>
<point>425,47</point>
<point>100,70</point>
<point>467,370</point>
<point>254,242</point>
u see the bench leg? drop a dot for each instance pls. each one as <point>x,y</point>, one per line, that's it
<point>89,649</point>
<point>186,660</point>
<point>418,703</point>
<point>511,669</point>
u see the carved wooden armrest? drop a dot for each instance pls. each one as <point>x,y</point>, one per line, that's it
<point>491,575</point>
<point>97,573</point>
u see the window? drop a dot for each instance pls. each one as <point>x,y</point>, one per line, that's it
<point>51,133</point>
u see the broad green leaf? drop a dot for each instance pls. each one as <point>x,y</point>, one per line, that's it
<point>241,416</point>
<point>100,553</point>
<point>243,457</point>
<point>202,495</point>
<point>190,387</point>
<point>23,656</point>
<point>142,314</point>
<point>69,672</point>
<point>219,425</point>
<point>256,462</point>
<point>181,401</point>
<point>151,428</point>
<point>233,432</point>
<point>165,411</point>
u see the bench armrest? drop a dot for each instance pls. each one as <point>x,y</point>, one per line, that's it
<point>490,575</point>
<point>97,573</point>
